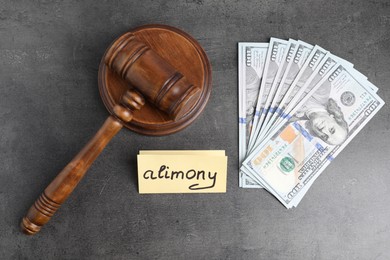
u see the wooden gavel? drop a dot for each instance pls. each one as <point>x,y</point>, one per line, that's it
<point>152,77</point>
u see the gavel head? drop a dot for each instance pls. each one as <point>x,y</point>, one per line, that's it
<point>164,65</point>
<point>157,80</point>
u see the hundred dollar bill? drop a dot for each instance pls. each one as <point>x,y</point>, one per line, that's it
<point>322,124</point>
<point>295,62</point>
<point>290,51</point>
<point>312,62</point>
<point>276,50</point>
<point>307,69</point>
<point>251,58</point>
<point>327,63</point>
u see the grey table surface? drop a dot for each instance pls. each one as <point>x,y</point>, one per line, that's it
<point>50,107</point>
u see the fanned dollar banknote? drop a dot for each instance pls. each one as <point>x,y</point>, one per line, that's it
<point>299,106</point>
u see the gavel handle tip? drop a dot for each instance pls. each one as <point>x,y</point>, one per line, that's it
<point>28,227</point>
<point>62,186</point>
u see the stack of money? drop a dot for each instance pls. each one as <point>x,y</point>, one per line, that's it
<point>299,106</point>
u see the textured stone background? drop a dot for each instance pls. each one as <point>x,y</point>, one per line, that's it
<point>50,107</point>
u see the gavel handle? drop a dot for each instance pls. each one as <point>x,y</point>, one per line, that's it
<point>66,181</point>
